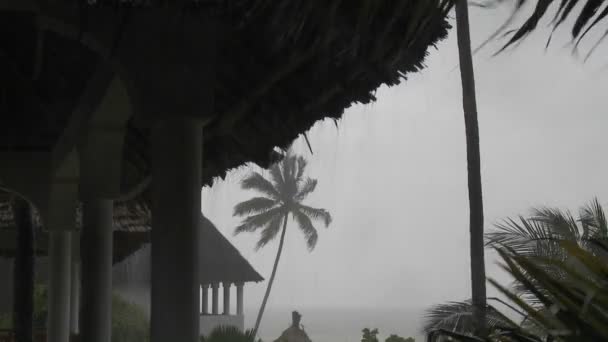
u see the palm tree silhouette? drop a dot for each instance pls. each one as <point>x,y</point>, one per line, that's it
<point>476,229</point>
<point>283,196</point>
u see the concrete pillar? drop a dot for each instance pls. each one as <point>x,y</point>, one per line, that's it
<point>226,298</point>
<point>23,276</point>
<point>96,256</point>
<point>60,262</point>
<point>239,299</point>
<point>205,309</point>
<point>75,297</point>
<point>176,215</point>
<point>215,297</point>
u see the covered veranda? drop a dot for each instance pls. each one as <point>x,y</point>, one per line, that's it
<point>108,101</point>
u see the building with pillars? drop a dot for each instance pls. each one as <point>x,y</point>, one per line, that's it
<point>146,101</point>
<point>223,274</point>
<point>131,233</point>
<point>222,269</point>
<point>222,265</point>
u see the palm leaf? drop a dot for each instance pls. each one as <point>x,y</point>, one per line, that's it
<point>255,205</point>
<point>458,317</point>
<point>306,187</point>
<point>316,214</point>
<point>568,299</point>
<point>530,24</point>
<point>255,222</point>
<point>301,166</point>
<point>277,176</point>
<point>586,18</point>
<point>526,237</point>
<point>290,183</point>
<point>270,231</point>
<point>592,216</point>
<point>548,324</point>
<point>560,223</point>
<point>255,181</point>
<point>306,226</point>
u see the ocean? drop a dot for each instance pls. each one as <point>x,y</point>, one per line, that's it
<point>341,325</point>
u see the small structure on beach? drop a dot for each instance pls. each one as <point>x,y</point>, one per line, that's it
<point>295,333</point>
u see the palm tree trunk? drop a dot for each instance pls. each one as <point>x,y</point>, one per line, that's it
<point>274,272</point>
<point>478,276</point>
<point>23,288</point>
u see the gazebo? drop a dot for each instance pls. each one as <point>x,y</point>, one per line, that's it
<point>221,266</point>
<point>147,100</point>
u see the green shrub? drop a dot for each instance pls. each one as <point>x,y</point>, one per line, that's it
<point>129,322</point>
<point>6,321</point>
<point>229,334</point>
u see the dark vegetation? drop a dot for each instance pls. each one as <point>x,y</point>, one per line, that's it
<point>229,334</point>
<point>371,335</point>
<point>559,266</point>
<point>129,322</point>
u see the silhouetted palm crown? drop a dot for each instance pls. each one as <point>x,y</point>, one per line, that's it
<point>283,195</point>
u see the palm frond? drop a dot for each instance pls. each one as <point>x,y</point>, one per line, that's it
<point>289,166</point>
<point>257,182</point>
<point>277,175</point>
<point>458,317</point>
<point>290,183</point>
<point>592,216</point>
<point>301,165</point>
<point>270,231</point>
<point>560,223</point>
<point>306,226</point>
<point>316,214</point>
<point>306,187</point>
<point>255,205</point>
<point>526,237</point>
<point>584,20</point>
<point>255,222</point>
<point>578,306</point>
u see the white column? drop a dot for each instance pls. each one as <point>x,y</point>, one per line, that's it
<point>96,253</point>
<point>205,299</point>
<point>215,298</point>
<point>176,214</point>
<point>75,297</point>
<point>239,299</point>
<point>226,298</point>
<point>60,261</point>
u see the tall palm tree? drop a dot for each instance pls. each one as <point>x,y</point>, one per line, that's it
<point>478,273</point>
<point>282,194</point>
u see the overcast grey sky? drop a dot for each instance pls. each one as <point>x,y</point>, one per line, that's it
<point>394,175</point>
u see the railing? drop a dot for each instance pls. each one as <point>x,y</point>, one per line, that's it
<point>8,335</point>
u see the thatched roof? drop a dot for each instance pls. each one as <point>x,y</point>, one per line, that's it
<point>282,65</point>
<point>219,261</point>
<point>131,228</point>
